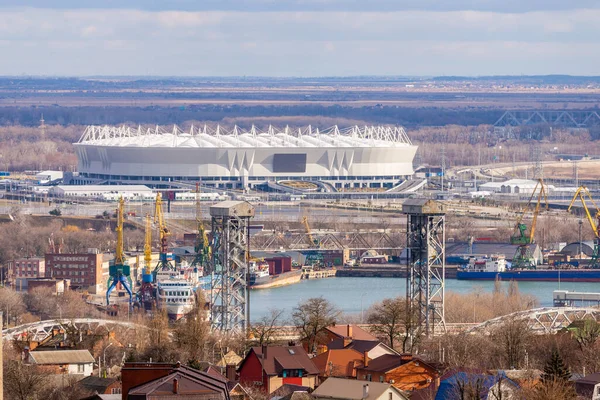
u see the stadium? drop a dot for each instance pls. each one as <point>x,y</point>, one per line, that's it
<point>356,157</point>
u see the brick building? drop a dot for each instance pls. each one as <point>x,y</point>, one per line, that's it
<point>22,269</point>
<point>85,270</point>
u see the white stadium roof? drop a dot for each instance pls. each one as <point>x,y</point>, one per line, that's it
<point>219,137</point>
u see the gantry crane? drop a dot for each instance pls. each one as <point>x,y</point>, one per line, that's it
<point>202,247</point>
<point>119,271</point>
<point>523,257</point>
<point>581,193</point>
<point>314,257</point>
<point>163,234</point>
<point>147,289</point>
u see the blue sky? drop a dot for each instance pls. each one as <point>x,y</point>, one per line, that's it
<point>299,37</point>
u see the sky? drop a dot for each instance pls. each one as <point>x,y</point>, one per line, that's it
<point>299,37</point>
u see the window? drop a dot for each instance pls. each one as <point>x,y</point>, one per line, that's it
<point>390,396</point>
<point>381,379</point>
<point>80,368</point>
<point>369,377</point>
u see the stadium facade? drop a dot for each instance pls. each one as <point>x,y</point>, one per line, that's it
<point>356,157</point>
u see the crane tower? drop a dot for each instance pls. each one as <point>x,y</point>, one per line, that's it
<point>119,271</point>
<point>163,233</point>
<point>426,254</point>
<point>229,297</point>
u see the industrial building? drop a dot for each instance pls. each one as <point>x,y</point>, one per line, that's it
<point>357,157</point>
<point>23,269</point>
<point>513,186</point>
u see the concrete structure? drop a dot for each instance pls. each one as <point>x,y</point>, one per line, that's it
<point>269,367</point>
<point>376,156</point>
<point>104,192</point>
<point>23,269</point>
<point>78,362</point>
<point>58,286</point>
<point>351,389</point>
<point>513,186</point>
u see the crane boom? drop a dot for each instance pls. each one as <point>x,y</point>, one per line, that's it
<point>148,246</point>
<point>536,212</point>
<point>159,219</point>
<point>581,193</point>
<point>119,229</point>
<point>308,231</point>
<point>520,236</point>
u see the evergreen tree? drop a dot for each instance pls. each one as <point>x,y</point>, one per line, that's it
<point>555,368</point>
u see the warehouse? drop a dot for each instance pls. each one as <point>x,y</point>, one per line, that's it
<point>105,192</point>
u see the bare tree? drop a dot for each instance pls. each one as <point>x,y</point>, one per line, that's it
<point>512,339</point>
<point>12,304</point>
<point>556,389</point>
<point>23,382</point>
<point>266,327</point>
<point>394,320</point>
<point>192,333</point>
<point>311,317</point>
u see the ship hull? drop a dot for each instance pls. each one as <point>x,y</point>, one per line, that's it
<point>286,278</point>
<point>549,275</point>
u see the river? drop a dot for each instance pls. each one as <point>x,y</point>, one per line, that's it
<point>351,295</point>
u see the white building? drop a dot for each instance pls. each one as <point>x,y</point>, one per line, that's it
<point>370,156</point>
<point>513,186</point>
<point>105,192</point>
<point>79,362</point>
<point>46,177</point>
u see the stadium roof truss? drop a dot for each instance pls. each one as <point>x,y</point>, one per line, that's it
<point>219,137</point>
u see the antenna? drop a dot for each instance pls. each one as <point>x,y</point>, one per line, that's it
<point>43,126</point>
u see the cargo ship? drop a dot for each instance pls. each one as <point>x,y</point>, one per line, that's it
<point>495,267</point>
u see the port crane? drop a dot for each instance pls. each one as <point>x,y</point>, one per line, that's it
<point>163,234</point>
<point>313,257</point>
<point>523,257</point>
<point>581,194</point>
<point>119,270</point>
<point>147,289</point>
<point>202,246</point>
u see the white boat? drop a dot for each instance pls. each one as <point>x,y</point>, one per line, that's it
<point>177,296</point>
<point>495,263</point>
<point>259,272</point>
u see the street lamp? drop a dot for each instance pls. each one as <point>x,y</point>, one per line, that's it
<point>104,357</point>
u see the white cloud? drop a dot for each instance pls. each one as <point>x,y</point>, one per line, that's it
<point>137,42</point>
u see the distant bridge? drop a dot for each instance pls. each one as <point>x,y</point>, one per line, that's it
<point>541,320</point>
<point>42,330</point>
<point>565,118</point>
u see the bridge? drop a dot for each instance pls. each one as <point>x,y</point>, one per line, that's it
<point>541,320</point>
<point>565,118</point>
<point>42,330</point>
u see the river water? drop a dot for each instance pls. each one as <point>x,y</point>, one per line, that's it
<point>351,295</point>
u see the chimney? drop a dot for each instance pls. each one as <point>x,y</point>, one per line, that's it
<point>349,331</point>
<point>264,352</point>
<point>230,372</point>
<point>347,341</point>
<point>365,391</point>
<point>175,386</point>
<point>366,359</point>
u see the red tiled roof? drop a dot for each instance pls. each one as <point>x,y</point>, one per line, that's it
<point>284,357</point>
<point>338,362</point>
<point>359,345</point>
<point>189,381</point>
<point>357,332</point>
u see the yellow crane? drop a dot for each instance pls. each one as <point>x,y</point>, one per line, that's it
<point>148,246</point>
<point>314,257</point>
<point>147,288</point>
<point>311,240</point>
<point>119,271</point>
<point>163,233</point>
<point>202,247</point>
<point>582,193</point>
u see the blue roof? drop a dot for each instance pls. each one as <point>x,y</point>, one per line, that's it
<point>449,387</point>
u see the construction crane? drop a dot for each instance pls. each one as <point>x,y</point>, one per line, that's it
<point>581,194</point>
<point>119,271</point>
<point>202,246</point>
<point>314,257</point>
<point>163,234</point>
<point>147,289</point>
<point>523,257</point>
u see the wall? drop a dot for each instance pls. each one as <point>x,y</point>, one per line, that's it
<point>87,369</point>
<point>379,350</point>
<point>251,373</point>
<point>84,270</point>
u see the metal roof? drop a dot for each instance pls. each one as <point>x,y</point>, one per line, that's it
<point>352,389</point>
<point>219,137</point>
<point>55,357</point>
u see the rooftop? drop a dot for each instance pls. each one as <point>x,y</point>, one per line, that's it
<point>352,389</point>
<point>220,137</point>
<point>61,357</point>
<point>285,357</point>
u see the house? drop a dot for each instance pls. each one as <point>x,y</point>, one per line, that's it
<point>483,385</point>
<point>340,363</point>
<point>351,389</point>
<point>404,371</point>
<point>588,387</point>
<point>269,367</point>
<point>95,384</point>
<point>373,348</point>
<point>340,332</point>
<point>141,381</point>
<point>231,358</point>
<point>67,361</point>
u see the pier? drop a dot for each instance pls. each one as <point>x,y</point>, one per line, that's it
<point>565,298</point>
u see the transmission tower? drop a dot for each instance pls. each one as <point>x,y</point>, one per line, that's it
<point>43,127</point>
<point>229,296</point>
<point>538,168</point>
<point>426,248</point>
